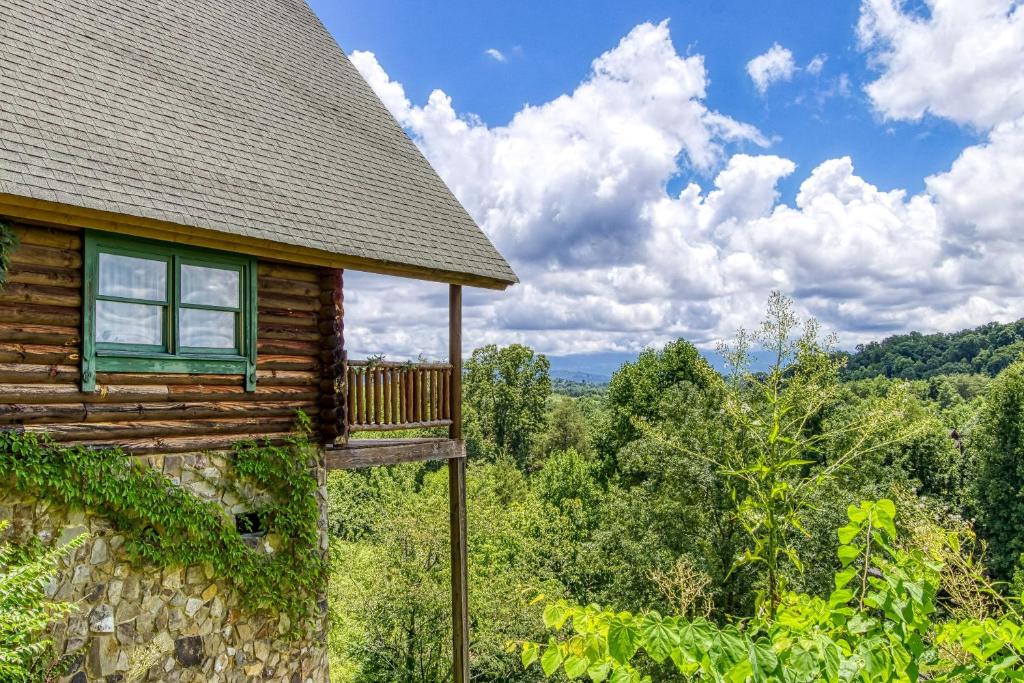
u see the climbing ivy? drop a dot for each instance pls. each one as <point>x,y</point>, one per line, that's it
<point>8,243</point>
<point>167,526</point>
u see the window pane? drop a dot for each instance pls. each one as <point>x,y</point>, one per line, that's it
<point>207,329</point>
<point>209,286</point>
<point>133,278</point>
<point>121,323</point>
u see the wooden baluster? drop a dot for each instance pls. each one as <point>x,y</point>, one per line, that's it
<point>386,397</point>
<point>417,377</point>
<point>378,395</point>
<point>396,395</point>
<point>360,377</point>
<point>350,379</point>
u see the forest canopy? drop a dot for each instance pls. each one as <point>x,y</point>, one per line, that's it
<point>709,498</point>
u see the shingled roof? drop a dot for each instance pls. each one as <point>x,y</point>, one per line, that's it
<point>237,116</point>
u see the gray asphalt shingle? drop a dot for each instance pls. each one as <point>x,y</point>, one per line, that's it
<point>241,116</point>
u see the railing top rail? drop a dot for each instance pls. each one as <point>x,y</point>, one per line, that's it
<point>392,365</point>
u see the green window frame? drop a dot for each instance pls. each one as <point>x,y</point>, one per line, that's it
<point>172,354</point>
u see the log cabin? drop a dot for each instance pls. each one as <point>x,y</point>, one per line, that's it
<point>186,183</point>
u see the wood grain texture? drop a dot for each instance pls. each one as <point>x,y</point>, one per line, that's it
<point>373,453</point>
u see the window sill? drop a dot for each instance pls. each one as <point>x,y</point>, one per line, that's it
<point>212,364</point>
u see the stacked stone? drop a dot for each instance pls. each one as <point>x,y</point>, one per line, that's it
<point>180,624</point>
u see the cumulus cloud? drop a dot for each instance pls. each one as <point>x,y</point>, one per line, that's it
<point>774,65</point>
<point>963,61</point>
<point>573,191</point>
<point>496,54</point>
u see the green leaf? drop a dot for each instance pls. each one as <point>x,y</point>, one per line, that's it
<point>529,654</point>
<point>555,615</point>
<point>623,639</point>
<point>575,666</point>
<point>847,554</point>
<point>848,533</point>
<point>658,638</point>
<point>599,672</point>
<point>844,577</point>
<point>551,659</point>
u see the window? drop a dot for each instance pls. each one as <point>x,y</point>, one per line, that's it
<point>160,307</point>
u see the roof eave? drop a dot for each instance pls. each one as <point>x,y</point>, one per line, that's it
<point>56,213</point>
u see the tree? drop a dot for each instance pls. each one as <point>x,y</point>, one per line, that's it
<point>566,429</point>
<point>636,390</point>
<point>506,390</point>
<point>999,489</point>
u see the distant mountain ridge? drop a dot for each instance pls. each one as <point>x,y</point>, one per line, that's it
<point>986,349</point>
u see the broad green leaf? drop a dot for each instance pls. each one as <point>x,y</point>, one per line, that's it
<point>623,639</point>
<point>529,654</point>
<point>848,533</point>
<point>599,672</point>
<point>575,666</point>
<point>555,615</point>
<point>844,577</point>
<point>658,638</point>
<point>847,554</point>
<point>551,659</point>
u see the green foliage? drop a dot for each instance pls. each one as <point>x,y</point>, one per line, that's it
<point>576,388</point>
<point>505,394</point>
<point>636,389</point>
<point>165,525</point>
<point>999,489</point>
<point>987,349</point>
<point>882,622</point>
<point>566,428</point>
<point>390,581</point>
<point>8,243</point>
<point>25,612</point>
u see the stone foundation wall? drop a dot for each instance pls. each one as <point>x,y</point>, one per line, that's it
<point>184,621</point>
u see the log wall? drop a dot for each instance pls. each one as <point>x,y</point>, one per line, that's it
<point>40,341</point>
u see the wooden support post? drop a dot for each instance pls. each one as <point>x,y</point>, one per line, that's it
<point>457,497</point>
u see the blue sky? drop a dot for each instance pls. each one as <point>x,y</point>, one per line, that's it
<point>549,47</point>
<point>906,140</point>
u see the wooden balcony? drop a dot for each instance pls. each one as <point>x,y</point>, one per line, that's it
<point>387,396</point>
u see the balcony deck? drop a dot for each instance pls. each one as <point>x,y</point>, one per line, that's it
<point>373,452</point>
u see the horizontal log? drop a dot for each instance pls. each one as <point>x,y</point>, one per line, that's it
<point>287,332</point>
<point>289,303</point>
<point>283,287</point>
<point>262,393</point>
<point>286,346</point>
<point>41,315</point>
<point>28,413</point>
<point>160,428</point>
<point>48,237</point>
<point>31,275</point>
<point>399,426</point>
<point>39,334</point>
<point>291,377</point>
<point>30,254</point>
<point>16,293</point>
<point>278,316</point>
<point>37,354</point>
<point>186,444</point>
<point>287,272</point>
<point>282,362</point>
<point>26,373</point>
<point>358,454</point>
<point>69,393</point>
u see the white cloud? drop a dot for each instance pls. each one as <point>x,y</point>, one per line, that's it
<point>815,66</point>
<point>496,54</point>
<point>774,65</point>
<point>963,61</point>
<point>573,191</point>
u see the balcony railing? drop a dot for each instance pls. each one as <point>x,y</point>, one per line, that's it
<point>387,395</point>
